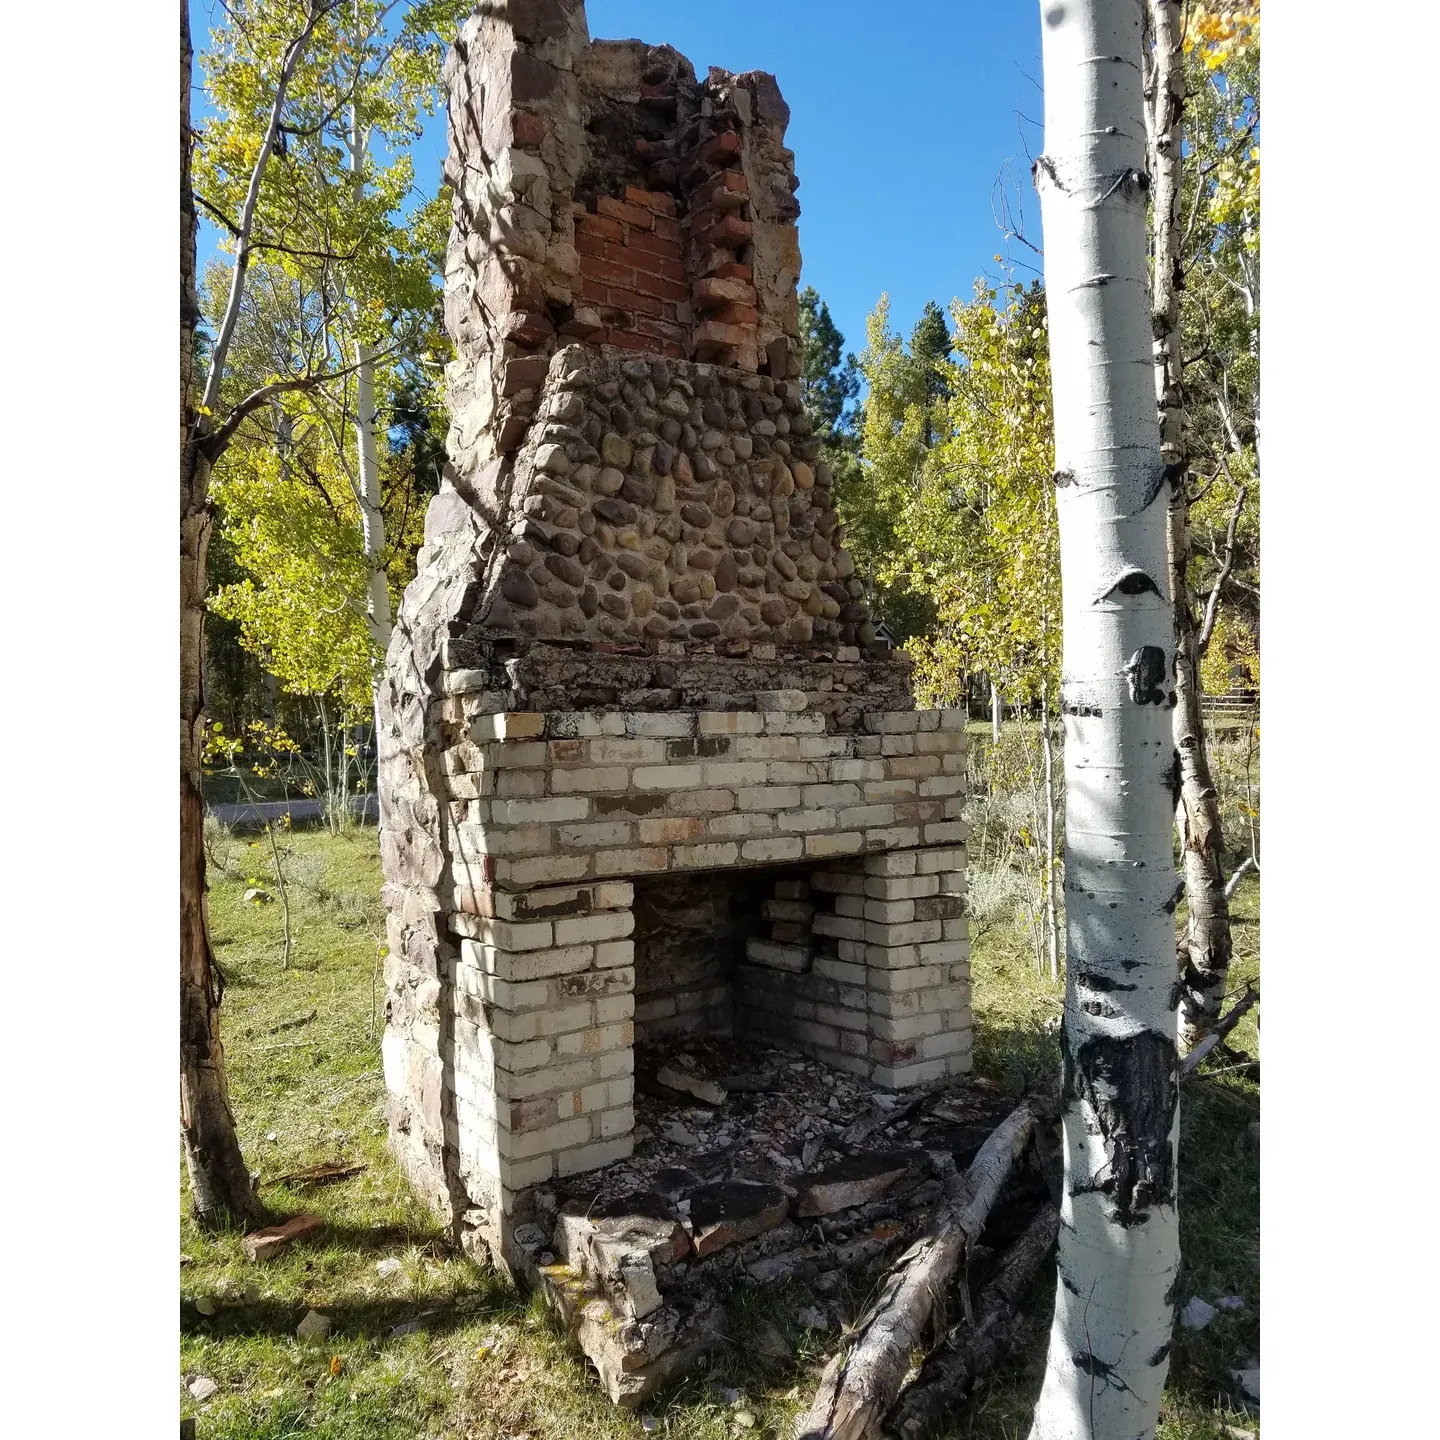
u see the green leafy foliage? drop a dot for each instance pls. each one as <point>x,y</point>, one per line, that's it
<point>347,251</point>
<point>304,571</point>
<point>954,506</point>
<point>829,377</point>
<point>1220,316</point>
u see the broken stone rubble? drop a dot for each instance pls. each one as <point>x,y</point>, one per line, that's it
<point>637,1257</point>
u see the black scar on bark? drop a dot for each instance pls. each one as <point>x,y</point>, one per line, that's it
<point>1146,672</point>
<point>1133,582</point>
<point>1174,779</point>
<point>1130,1088</point>
<point>1169,906</point>
<point>1161,1355</point>
<point>1091,981</point>
<point>1153,486</point>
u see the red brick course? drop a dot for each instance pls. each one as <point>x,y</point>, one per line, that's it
<point>644,267</point>
<point>632,265</point>
<point>650,200</point>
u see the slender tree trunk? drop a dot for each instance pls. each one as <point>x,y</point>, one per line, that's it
<point>994,714</point>
<point>1052,918</point>
<point>1205,948</point>
<point>286,942</point>
<point>220,1184</point>
<point>1119,1239</point>
<point>372,519</point>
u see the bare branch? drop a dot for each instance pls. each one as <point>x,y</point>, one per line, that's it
<point>1191,1063</point>
<point>316,11</point>
<point>1241,870</point>
<point>215,443</point>
<point>219,214</point>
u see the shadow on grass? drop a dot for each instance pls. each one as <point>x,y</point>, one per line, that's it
<point>368,1319</point>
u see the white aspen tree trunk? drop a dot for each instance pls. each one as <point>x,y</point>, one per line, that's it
<point>1119,1239</point>
<point>994,714</point>
<point>372,519</point>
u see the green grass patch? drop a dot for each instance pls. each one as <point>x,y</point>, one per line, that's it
<point>476,1360</point>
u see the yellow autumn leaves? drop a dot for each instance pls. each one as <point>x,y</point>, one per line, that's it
<point>1217,32</point>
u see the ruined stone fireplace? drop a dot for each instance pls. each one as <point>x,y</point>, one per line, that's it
<point>648,778</point>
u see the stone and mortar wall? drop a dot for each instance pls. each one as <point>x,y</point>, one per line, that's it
<point>544,800</point>
<point>868,968</point>
<point>666,501</point>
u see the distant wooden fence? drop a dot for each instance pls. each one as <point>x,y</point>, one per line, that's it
<point>1234,705</point>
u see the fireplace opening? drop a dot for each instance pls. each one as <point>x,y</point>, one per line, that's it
<point>806,959</point>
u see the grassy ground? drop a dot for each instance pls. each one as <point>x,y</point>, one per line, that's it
<point>472,1359</point>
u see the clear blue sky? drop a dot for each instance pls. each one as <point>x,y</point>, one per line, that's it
<point>903,115</point>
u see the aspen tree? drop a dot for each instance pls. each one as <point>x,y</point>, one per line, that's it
<point>1119,1236</point>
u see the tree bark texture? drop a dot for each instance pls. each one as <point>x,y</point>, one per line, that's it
<point>1119,1238</point>
<point>1206,946</point>
<point>857,1389</point>
<point>948,1376</point>
<point>220,1184</point>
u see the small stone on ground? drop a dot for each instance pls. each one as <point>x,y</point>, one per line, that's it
<point>687,1083</point>
<point>314,1326</point>
<point>770,1342</point>
<point>202,1387</point>
<point>1197,1314</point>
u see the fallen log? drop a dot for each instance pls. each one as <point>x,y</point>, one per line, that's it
<point>948,1375</point>
<point>1191,1063</point>
<point>859,1387</point>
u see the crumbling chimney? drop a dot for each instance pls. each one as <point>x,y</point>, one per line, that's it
<point>638,736</point>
